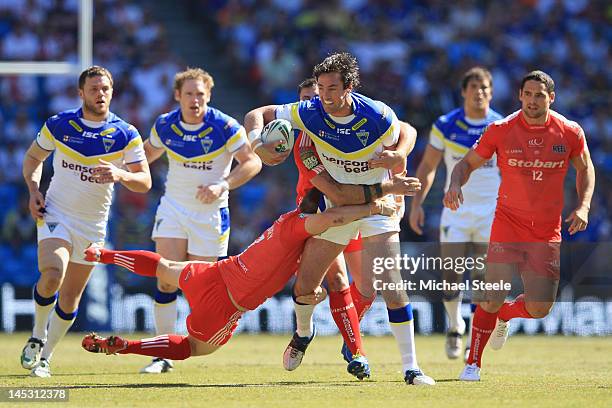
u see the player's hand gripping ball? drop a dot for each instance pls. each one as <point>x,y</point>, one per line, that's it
<point>279,130</point>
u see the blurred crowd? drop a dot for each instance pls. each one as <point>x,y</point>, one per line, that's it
<point>411,53</point>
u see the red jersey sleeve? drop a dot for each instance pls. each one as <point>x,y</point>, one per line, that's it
<point>308,161</point>
<point>578,142</point>
<point>487,144</point>
<point>295,228</point>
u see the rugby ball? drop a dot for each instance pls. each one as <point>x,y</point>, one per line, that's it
<point>278,129</point>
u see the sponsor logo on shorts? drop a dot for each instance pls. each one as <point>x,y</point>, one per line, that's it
<point>537,163</point>
<point>157,223</point>
<point>51,226</point>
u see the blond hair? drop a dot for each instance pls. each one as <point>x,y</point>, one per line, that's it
<point>193,73</point>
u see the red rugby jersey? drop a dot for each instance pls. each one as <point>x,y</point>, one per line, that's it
<point>533,161</point>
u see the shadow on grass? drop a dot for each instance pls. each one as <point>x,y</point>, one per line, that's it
<point>243,385</point>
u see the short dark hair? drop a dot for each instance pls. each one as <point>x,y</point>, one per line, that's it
<point>477,73</point>
<point>310,202</point>
<point>343,63</point>
<point>307,83</point>
<point>94,71</point>
<point>539,76</point>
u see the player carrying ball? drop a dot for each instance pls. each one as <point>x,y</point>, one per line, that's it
<point>534,147</point>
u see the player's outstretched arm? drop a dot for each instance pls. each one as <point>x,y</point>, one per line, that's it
<point>426,173</point>
<point>351,194</point>
<point>337,216</point>
<point>461,174</point>
<point>585,184</point>
<point>32,172</point>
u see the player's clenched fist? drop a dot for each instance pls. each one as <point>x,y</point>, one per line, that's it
<point>453,197</point>
<point>107,172</point>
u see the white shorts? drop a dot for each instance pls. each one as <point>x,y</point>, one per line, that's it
<point>56,225</point>
<point>367,227</point>
<point>206,232</point>
<point>466,224</point>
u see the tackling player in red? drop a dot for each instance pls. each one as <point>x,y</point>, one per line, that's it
<point>534,147</point>
<point>220,292</point>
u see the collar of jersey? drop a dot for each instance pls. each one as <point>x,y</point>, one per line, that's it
<point>180,119</point>
<point>534,128</point>
<point>329,118</point>
<point>108,119</point>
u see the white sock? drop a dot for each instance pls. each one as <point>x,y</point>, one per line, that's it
<point>404,336</point>
<point>41,318</point>
<point>57,330</point>
<point>453,310</point>
<point>303,319</point>
<point>165,317</point>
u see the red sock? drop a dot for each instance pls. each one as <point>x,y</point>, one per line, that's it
<point>482,327</point>
<point>345,315</point>
<point>172,346</point>
<point>140,262</point>
<point>362,304</point>
<point>513,309</point>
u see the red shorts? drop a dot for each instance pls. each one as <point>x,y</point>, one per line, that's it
<point>213,318</point>
<point>354,245</point>
<point>534,246</point>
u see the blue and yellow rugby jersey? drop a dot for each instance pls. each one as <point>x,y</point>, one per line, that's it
<point>197,157</point>
<point>345,149</point>
<point>77,150</point>
<point>455,134</point>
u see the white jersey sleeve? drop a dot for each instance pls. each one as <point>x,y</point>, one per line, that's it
<point>237,140</point>
<point>436,139</point>
<point>134,151</point>
<point>154,139</point>
<point>392,135</point>
<point>286,112</point>
<point>45,139</point>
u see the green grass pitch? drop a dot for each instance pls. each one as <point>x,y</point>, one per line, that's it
<point>247,372</point>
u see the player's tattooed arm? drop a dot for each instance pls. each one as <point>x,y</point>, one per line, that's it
<point>350,194</point>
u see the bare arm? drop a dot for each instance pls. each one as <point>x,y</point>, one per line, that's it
<point>460,175</point>
<point>32,173</point>
<point>152,153</point>
<point>426,173</point>
<point>248,166</point>
<point>585,184</point>
<point>394,158</point>
<point>137,178</point>
<point>254,121</point>
<point>337,216</point>
<point>348,194</point>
